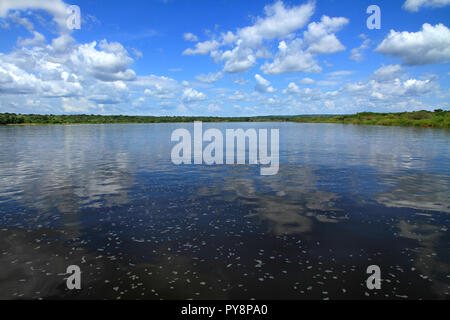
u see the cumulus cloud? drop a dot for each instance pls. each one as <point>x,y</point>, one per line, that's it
<point>57,8</point>
<point>414,5</point>
<point>108,64</point>
<point>202,48</point>
<point>340,73</point>
<point>210,77</point>
<point>263,85</point>
<point>237,96</point>
<point>137,53</point>
<point>357,53</point>
<point>241,49</point>
<point>157,87</point>
<point>299,54</point>
<point>308,94</point>
<point>14,80</point>
<point>241,81</point>
<point>291,89</point>
<point>292,59</point>
<point>66,76</point>
<point>63,44</point>
<point>64,69</point>
<point>104,99</point>
<point>247,44</point>
<point>190,37</point>
<point>390,90</point>
<point>427,46</point>
<point>50,81</point>
<point>306,81</point>
<point>238,60</point>
<point>37,40</point>
<point>59,74</point>
<point>387,89</point>
<point>214,108</point>
<point>15,18</point>
<point>191,95</point>
<point>279,22</point>
<point>389,72</point>
<point>321,38</point>
<point>159,91</point>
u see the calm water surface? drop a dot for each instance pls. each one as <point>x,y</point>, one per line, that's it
<point>108,198</point>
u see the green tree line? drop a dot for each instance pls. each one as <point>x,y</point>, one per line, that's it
<point>439,119</point>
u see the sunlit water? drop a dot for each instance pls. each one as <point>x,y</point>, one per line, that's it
<point>108,199</point>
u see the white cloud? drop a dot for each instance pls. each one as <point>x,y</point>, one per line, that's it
<point>61,89</point>
<point>247,43</point>
<point>327,83</point>
<point>210,77</point>
<point>291,89</point>
<point>214,108</point>
<point>298,55</point>
<point>237,96</point>
<point>58,74</point>
<point>81,105</point>
<point>159,92</point>
<point>414,5</point>
<point>17,19</point>
<point>70,77</point>
<point>105,99</point>
<point>263,85</point>
<point>306,81</point>
<point>62,44</point>
<point>238,60</point>
<point>229,38</point>
<point>37,40</point>
<point>191,95</point>
<point>66,76</point>
<point>379,92</point>
<point>414,87</point>
<point>341,73</point>
<point>137,53</point>
<point>356,53</point>
<point>305,94</point>
<point>428,46</point>
<point>389,72</point>
<point>202,48</point>
<point>57,8</point>
<point>392,90</point>
<point>108,64</point>
<point>14,80</point>
<point>50,81</point>
<point>190,37</point>
<point>157,87</point>
<point>292,59</point>
<point>241,81</point>
<point>327,45</point>
<point>279,22</point>
<point>182,108</point>
<point>320,36</point>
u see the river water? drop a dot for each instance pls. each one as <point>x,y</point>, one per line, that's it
<point>108,199</point>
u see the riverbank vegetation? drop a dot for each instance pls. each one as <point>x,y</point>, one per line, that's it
<point>438,119</point>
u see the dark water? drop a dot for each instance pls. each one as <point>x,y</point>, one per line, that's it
<point>108,199</point>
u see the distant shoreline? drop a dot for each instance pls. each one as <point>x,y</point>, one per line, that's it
<point>437,119</point>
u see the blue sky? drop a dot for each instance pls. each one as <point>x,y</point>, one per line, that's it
<point>224,57</point>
